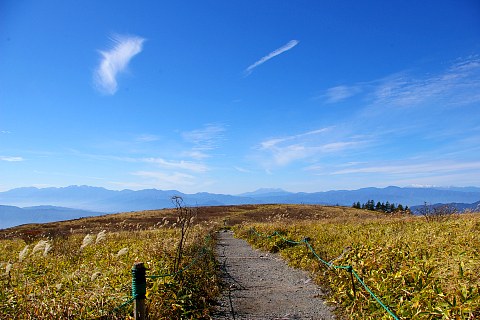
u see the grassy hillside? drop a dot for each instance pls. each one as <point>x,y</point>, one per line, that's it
<point>70,270</point>
<point>419,269</point>
<point>152,219</point>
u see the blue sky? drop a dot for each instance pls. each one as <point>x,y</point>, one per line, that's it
<point>231,96</point>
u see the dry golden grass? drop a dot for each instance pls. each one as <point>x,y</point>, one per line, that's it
<point>152,219</point>
<point>85,274</point>
<point>420,270</point>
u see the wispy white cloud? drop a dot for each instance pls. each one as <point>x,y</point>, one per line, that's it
<point>196,154</point>
<point>271,55</point>
<point>340,145</point>
<point>457,85</point>
<point>273,142</point>
<point>419,168</point>
<point>242,170</point>
<point>204,140</point>
<point>157,161</point>
<point>11,159</point>
<point>115,61</point>
<point>181,165</point>
<point>166,180</point>
<point>327,167</point>
<point>147,138</point>
<point>284,155</point>
<point>339,93</point>
<point>285,150</point>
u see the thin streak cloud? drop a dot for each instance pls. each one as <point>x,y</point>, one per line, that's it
<point>271,55</point>
<point>340,93</point>
<point>413,168</point>
<point>204,140</point>
<point>115,61</point>
<point>458,85</point>
<point>11,159</point>
<point>273,142</point>
<point>307,145</point>
<point>184,165</point>
<point>166,180</point>
<point>242,170</point>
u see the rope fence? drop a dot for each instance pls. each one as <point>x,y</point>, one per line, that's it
<point>139,276</point>
<point>330,264</point>
<point>139,285</point>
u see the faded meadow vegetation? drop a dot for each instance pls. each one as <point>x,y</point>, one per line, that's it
<point>87,276</point>
<point>420,269</point>
<point>81,269</point>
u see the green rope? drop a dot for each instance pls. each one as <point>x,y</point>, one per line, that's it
<point>123,304</point>
<point>276,233</point>
<point>139,285</point>
<point>316,255</point>
<point>263,236</point>
<point>331,265</point>
<point>162,275</point>
<point>287,240</point>
<point>373,295</point>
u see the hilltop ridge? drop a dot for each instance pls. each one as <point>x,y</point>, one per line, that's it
<point>89,200</point>
<point>104,200</point>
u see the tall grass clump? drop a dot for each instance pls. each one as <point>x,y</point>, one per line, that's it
<point>83,276</point>
<point>419,269</point>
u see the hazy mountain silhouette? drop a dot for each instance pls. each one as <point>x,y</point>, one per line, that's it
<point>100,200</point>
<point>461,207</point>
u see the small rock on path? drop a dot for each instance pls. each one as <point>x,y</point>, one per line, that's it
<point>260,285</point>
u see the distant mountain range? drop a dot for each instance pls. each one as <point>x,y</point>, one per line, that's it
<point>461,207</point>
<point>90,201</point>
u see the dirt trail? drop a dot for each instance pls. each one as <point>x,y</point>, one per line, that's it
<point>260,285</point>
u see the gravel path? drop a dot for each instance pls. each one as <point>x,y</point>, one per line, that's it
<point>260,285</point>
